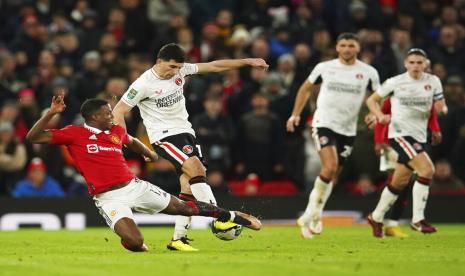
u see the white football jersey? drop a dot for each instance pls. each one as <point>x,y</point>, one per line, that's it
<point>161,102</point>
<point>411,103</point>
<point>343,89</point>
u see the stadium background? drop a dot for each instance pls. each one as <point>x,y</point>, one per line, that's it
<point>97,48</point>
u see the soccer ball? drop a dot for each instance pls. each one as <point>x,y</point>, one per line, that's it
<point>228,234</point>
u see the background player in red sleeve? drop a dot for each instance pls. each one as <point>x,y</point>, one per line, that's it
<point>388,160</point>
<point>96,147</point>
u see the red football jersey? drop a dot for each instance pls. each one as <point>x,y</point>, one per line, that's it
<point>98,154</point>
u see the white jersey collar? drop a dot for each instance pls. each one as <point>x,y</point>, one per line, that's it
<point>95,130</point>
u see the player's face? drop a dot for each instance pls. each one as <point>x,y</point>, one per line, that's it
<point>415,65</point>
<point>104,117</point>
<point>168,69</point>
<point>347,49</point>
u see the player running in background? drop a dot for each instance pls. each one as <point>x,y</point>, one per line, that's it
<point>159,94</point>
<point>388,161</point>
<point>344,83</point>
<point>412,95</point>
<point>96,147</point>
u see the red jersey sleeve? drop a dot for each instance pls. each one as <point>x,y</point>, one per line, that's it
<point>381,131</point>
<point>64,136</point>
<point>433,123</point>
<point>122,133</point>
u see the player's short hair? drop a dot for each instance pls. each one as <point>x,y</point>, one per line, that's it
<point>172,51</point>
<point>91,106</point>
<point>351,36</point>
<point>418,52</point>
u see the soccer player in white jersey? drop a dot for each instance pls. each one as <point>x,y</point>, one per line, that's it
<point>159,94</point>
<point>344,82</point>
<point>412,96</point>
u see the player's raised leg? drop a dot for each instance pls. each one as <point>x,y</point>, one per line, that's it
<point>198,208</point>
<point>425,170</point>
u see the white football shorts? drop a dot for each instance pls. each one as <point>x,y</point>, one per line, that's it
<point>138,195</point>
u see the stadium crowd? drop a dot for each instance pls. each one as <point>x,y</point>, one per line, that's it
<point>97,48</point>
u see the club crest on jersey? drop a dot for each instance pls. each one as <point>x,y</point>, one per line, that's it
<point>178,81</point>
<point>427,87</point>
<point>187,149</point>
<point>359,76</point>
<point>324,140</point>
<point>417,146</point>
<point>132,93</point>
<point>113,213</point>
<point>115,139</point>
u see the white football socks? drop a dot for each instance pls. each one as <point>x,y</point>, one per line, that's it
<point>420,197</point>
<point>385,202</point>
<point>203,192</point>
<point>182,224</point>
<point>317,200</point>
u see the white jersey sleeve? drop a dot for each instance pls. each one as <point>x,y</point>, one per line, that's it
<point>386,88</point>
<point>135,93</point>
<point>374,80</point>
<point>189,69</point>
<point>316,73</point>
<point>437,89</point>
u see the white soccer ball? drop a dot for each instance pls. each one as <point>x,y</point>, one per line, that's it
<point>228,234</point>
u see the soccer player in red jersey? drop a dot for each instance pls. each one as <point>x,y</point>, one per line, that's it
<point>96,147</point>
<point>388,160</point>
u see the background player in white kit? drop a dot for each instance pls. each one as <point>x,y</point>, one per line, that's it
<point>412,94</point>
<point>344,82</point>
<point>159,94</point>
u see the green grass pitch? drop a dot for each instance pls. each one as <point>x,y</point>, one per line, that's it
<point>271,251</point>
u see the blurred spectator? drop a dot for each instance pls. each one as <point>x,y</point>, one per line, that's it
<point>215,178</point>
<point>28,107</point>
<point>10,113</point>
<point>211,45</point>
<point>114,89</point>
<point>112,64</point>
<point>304,62</point>
<point>29,39</point>
<point>215,133</point>
<point>255,13</point>
<point>239,42</point>
<point>224,21</point>
<point>185,38</point>
<point>449,50</point>
<point>89,33</point>
<point>303,24</point>
<point>9,82</point>
<point>286,71</point>
<point>443,179</point>
<point>161,12</point>
<point>239,103</point>
<point>37,183</point>
<point>454,92</point>
<point>89,81</point>
<point>400,44</point>
<point>12,158</point>
<point>260,140</point>
<point>280,43</point>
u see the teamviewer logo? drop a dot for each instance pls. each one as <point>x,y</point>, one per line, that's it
<point>92,148</point>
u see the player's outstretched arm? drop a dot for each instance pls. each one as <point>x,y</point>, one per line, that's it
<point>138,147</point>
<point>373,103</point>
<point>37,134</point>
<point>120,110</point>
<point>300,101</point>
<point>228,64</point>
